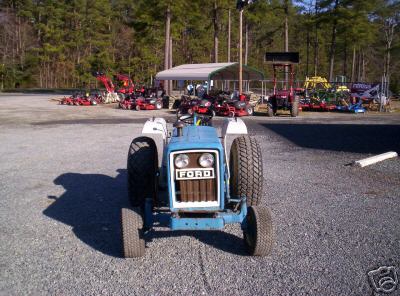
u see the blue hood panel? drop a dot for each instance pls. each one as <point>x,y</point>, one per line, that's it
<point>196,137</point>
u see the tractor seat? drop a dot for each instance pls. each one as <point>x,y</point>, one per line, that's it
<point>150,100</point>
<point>239,104</point>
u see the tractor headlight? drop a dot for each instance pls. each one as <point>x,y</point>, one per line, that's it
<point>206,160</point>
<point>182,161</point>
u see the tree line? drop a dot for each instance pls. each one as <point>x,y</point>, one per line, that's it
<point>58,44</point>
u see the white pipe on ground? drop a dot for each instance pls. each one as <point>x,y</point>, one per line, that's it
<point>374,159</point>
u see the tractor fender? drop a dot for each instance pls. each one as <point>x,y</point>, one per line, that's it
<point>231,129</point>
<point>234,126</point>
<point>156,126</point>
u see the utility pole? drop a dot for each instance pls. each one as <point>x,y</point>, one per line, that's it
<point>167,46</point>
<point>240,50</point>
<point>170,88</point>
<point>353,65</point>
<point>333,42</point>
<point>216,31</point>
<point>240,4</point>
<point>316,42</point>
<point>246,53</point>
<point>229,35</point>
<point>286,8</point>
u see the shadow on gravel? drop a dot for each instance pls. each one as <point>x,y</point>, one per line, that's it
<point>91,205</point>
<point>355,138</point>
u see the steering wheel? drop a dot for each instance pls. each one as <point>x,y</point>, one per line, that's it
<point>186,118</point>
<point>200,119</point>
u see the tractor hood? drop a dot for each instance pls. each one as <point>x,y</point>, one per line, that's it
<point>195,137</point>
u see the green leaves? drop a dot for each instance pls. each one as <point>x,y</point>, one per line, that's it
<point>58,43</point>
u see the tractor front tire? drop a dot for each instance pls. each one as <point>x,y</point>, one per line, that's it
<point>294,108</point>
<point>249,110</point>
<point>132,233</point>
<point>158,105</point>
<point>246,170</point>
<point>121,97</point>
<point>142,168</point>
<point>258,234</point>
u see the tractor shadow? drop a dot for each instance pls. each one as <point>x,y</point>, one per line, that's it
<point>354,138</point>
<point>91,205</point>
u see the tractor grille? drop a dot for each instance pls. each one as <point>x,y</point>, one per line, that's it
<point>196,190</point>
<point>201,190</point>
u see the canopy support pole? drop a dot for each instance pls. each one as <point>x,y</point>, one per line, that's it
<point>262,92</point>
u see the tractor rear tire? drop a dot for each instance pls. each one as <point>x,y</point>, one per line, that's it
<point>294,108</point>
<point>258,234</point>
<point>270,111</point>
<point>132,233</point>
<point>142,170</point>
<point>274,104</point>
<point>212,112</point>
<point>178,113</point>
<point>246,170</point>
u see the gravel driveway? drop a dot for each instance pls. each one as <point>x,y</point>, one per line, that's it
<point>63,183</point>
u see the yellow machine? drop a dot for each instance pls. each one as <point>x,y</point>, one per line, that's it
<point>316,82</point>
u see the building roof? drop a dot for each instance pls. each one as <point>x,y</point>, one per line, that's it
<point>209,71</point>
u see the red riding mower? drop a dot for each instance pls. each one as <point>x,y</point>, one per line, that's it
<point>67,101</point>
<point>127,103</point>
<point>81,100</point>
<point>197,105</point>
<point>231,106</point>
<point>142,103</point>
<point>147,100</point>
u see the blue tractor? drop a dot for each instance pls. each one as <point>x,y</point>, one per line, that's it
<point>197,185</point>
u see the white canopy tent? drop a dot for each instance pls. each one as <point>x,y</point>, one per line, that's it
<point>209,71</point>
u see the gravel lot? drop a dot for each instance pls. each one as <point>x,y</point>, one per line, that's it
<point>63,182</point>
